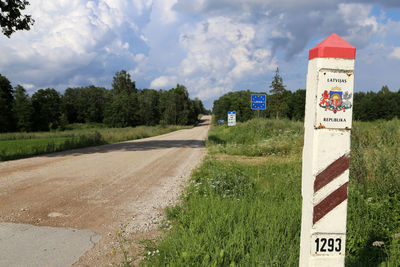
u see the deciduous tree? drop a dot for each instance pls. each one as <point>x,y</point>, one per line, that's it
<point>235,101</point>
<point>23,109</point>
<point>122,111</point>
<point>176,107</point>
<point>85,104</point>
<point>297,104</point>
<point>11,18</point>
<point>149,106</point>
<point>47,109</point>
<point>122,83</point>
<point>6,104</point>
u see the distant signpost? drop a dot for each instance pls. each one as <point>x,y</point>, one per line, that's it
<point>221,121</point>
<point>231,118</point>
<point>258,102</point>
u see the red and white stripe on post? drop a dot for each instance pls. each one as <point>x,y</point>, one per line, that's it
<point>326,152</point>
<point>332,200</point>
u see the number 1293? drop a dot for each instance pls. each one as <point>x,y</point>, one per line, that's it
<point>328,244</point>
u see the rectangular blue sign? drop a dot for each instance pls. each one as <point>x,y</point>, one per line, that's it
<point>258,102</point>
<point>231,112</point>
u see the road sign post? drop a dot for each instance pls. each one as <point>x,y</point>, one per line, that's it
<point>326,152</point>
<point>258,102</point>
<point>231,118</point>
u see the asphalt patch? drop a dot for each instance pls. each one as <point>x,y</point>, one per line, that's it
<point>28,245</point>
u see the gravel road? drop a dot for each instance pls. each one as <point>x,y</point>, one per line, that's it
<point>105,189</point>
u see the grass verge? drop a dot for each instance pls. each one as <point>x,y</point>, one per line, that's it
<point>22,145</point>
<point>242,209</point>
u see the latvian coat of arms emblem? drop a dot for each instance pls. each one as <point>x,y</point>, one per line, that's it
<point>335,100</point>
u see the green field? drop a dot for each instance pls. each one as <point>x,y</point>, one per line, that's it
<point>243,204</point>
<point>22,145</point>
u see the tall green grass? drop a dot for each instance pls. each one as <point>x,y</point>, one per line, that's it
<point>253,138</point>
<point>374,195</point>
<point>228,218</point>
<point>22,145</point>
<point>242,210</point>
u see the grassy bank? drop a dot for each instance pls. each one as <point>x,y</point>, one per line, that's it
<point>243,205</point>
<point>374,195</point>
<point>22,145</point>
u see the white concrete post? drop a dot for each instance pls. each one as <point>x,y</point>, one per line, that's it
<point>326,152</point>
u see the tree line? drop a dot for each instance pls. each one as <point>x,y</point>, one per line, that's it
<point>282,103</point>
<point>124,105</point>
<point>369,106</point>
<point>288,105</point>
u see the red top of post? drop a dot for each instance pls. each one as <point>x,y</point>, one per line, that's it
<point>333,46</point>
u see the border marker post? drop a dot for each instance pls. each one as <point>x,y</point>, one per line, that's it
<point>326,152</point>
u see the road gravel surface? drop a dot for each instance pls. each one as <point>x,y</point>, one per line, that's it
<point>107,190</point>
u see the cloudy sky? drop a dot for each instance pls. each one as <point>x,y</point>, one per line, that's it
<point>211,46</point>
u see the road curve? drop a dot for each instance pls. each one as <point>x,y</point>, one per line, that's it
<point>122,186</point>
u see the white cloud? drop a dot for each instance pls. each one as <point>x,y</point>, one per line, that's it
<point>294,23</point>
<point>395,53</point>
<point>70,42</point>
<point>361,25</point>
<point>28,86</point>
<point>139,57</point>
<point>141,6</point>
<point>213,92</point>
<point>164,82</point>
<point>211,46</point>
<point>144,38</point>
<point>221,52</point>
<point>168,15</point>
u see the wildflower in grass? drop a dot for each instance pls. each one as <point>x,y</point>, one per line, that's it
<point>284,255</point>
<point>118,233</point>
<point>378,243</point>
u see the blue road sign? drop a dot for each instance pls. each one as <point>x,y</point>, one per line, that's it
<point>221,121</point>
<point>231,112</point>
<point>258,102</point>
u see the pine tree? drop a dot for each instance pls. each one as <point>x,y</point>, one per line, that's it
<point>277,86</point>
<point>278,102</point>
